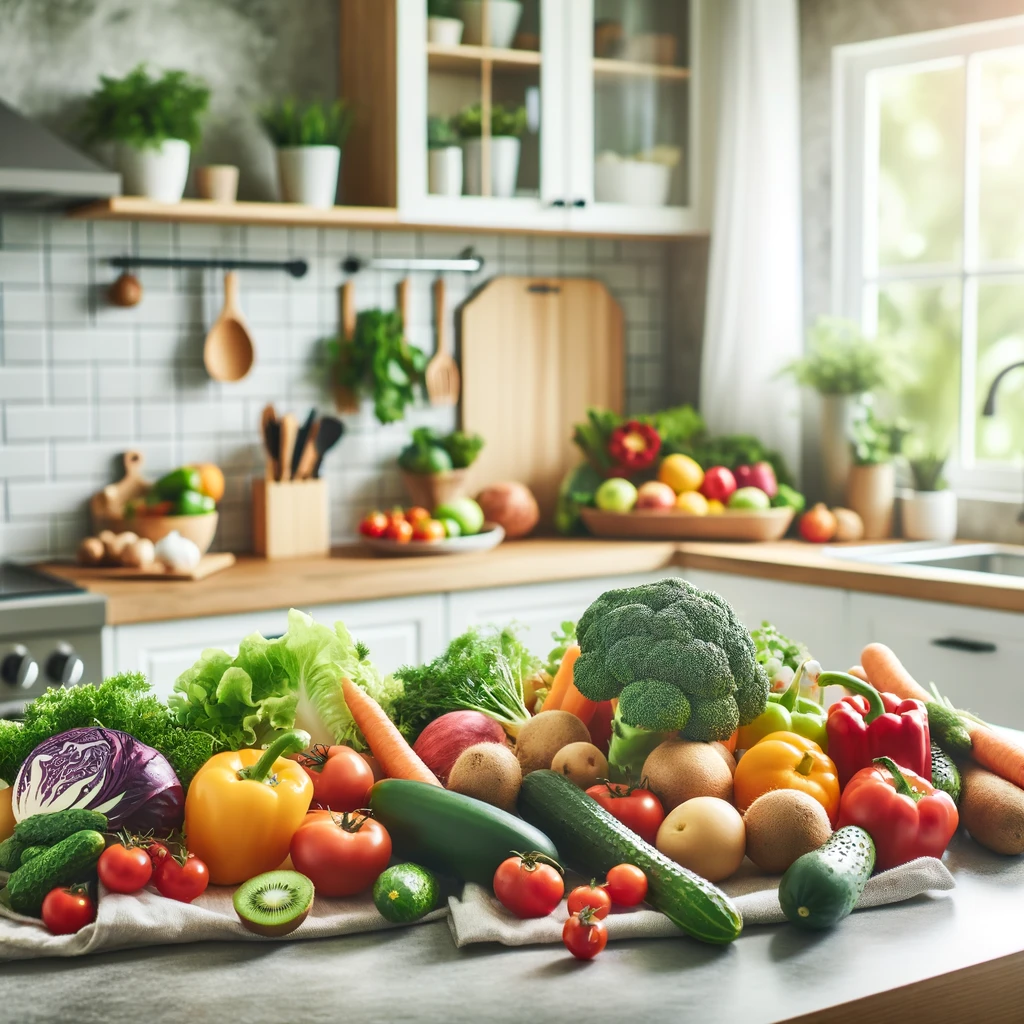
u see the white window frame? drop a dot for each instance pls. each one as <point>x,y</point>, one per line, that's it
<point>854,210</point>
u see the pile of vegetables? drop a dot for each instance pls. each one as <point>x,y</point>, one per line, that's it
<point>431,452</point>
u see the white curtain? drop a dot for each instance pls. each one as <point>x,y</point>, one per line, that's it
<point>753,320</point>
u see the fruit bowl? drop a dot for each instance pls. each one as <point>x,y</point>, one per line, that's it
<point>489,537</point>
<point>661,524</point>
<point>199,529</point>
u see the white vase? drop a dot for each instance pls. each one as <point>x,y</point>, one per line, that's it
<point>503,18</point>
<point>309,174</point>
<point>504,166</point>
<point>928,515</point>
<point>445,171</point>
<point>158,173</point>
<point>444,31</point>
<point>837,415</point>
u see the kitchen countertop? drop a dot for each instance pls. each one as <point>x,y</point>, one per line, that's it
<point>352,574</point>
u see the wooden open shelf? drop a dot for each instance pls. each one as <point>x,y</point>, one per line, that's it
<point>610,67</point>
<point>465,59</point>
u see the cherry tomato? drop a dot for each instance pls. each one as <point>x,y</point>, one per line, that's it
<point>341,854</point>
<point>181,881</point>
<point>429,530</point>
<point>399,530</point>
<point>584,935</point>
<point>124,869</point>
<point>66,911</point>
<point>157,851</point>
<point>638,809</point>
<point>341,777</point>
<point>416,514</point>
<point>528,886</point>
<point>594,896</point>
<point>374,525</point>
<point>627,885</point>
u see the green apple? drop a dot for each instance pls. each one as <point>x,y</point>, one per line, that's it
<point>451,528</point>
<point>750,498</point>
<point>615,495</point>
<point>465,511</point>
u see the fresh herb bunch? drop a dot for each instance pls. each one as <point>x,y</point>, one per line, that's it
<point>841,361</point>
<point>143,111</point>
<point>441,133</point>
<point>469,122</point>
<point>775,651</point>
<point>290,123</point>
<point>927,471</point>
<point>876,441</point>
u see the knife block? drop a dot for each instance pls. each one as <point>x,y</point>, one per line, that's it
<point>290,520</point>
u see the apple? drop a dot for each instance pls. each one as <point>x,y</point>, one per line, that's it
<point>655,494</point>
<point>719,483</point>
<point>750,498</point>
<point>615,495</point>
<point>760,474</point>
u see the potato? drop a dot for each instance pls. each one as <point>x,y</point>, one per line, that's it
<point>544,735</point>
<point>706,835</point>
<point>679,770</point>
<point>117,547</point>
<point>489,772</point>
<point>784,824</point>
<point>140,555</point>
<point>581,763</point>
<point>91,551</point>
<point>992,810</point>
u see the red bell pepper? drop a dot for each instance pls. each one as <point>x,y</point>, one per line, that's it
<point>633,446</point>
<point>870,724</point>
<point>905,815</point>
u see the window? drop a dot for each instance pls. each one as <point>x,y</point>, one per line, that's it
<point>928,244</point>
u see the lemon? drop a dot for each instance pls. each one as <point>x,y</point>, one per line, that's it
<point>715,507</point>
<point>681,473</point>
<point>692,502</point>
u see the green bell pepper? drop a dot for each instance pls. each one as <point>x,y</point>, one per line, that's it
<point>787,712</point>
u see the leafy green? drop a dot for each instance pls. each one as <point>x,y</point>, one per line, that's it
<point>775,651</point>
<point>431,452</point>
<point>576,491</point>
<point>469,122</point>
<point>564,638</point>
<point>125,702</point>
<point>290,123</point>
<point>462,447</point>
<point>875,441</point>
<point>732,450</point>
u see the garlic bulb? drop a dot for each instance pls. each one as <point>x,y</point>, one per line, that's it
<point>177,552</point>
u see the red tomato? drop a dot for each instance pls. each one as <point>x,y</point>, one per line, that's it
<point>157,851</point>
<point>594,896</point>
<point>178,881</point>
<point>416,514</point>
<point>638,809</point>
<point>584,935</point>
<point>627,885</point>
<point>341,854</point>
<point>374,525</point>
<point>399,530</point>
<point>341,777</point>
<point>124,869</point>
<point>528,886</point>
<point>428,530</point>
<point>66,911</point>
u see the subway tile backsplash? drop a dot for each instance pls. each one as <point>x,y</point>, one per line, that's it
<point>82,381</point>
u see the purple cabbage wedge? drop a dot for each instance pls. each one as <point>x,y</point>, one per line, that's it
<point>102,770</point>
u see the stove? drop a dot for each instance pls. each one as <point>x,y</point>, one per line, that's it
<point>51,634</point>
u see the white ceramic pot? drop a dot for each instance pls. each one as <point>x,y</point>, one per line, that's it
<point>503,18</point>
<point>837,415</point>
<point>504,166</point>
<point>157,173</point>
<point>634,182</point>
<point>309,174</point>
<point>445,171</point>
<point>444,31</point>
<point>928,515</point>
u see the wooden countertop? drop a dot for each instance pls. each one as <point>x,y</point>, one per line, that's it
<point>352,574</point>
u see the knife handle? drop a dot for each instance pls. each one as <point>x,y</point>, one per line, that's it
<point>289,432</point>
<point>307,458</point>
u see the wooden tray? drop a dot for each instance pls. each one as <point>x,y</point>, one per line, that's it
<point>653,524</point>
<point>208,565</point>
<point>489,537</point>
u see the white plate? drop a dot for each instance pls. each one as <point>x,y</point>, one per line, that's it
<point>489,537</point>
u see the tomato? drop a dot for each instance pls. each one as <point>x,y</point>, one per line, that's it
<point>341,854</point>
<point>416,514</point>
<point>584,935</point>
<point>374,525</point>
<point>627,885</point>
<point>429,530</point>
<point>66,911</point>
<point>399,530</point>
<point>594,896</point>
<point>638,809</point>
<point>182,881</point>
<point>124,869</point>
<point>157,851</point>
<point>528,886</point>
<point>341,777</point>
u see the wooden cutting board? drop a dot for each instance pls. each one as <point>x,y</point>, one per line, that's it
<point>536,354</point>
<point>208,565</point>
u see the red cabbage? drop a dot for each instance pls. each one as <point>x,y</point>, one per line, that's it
<point>102,770</point>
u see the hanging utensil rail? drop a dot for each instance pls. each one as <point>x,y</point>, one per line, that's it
<point>297,268</point>
<point>467,262</point>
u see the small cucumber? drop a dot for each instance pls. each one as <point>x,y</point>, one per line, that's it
<point>71,860</point>
<point>50,829</point>
<point>948,730</point>
<point>404,893</point>
<point>945,775</point>
<point>32,851</point>
<point>822,887</point>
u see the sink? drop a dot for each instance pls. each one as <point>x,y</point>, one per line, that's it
<point>988,559</point>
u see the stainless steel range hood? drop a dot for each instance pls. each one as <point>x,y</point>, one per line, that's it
<point>38,171</point>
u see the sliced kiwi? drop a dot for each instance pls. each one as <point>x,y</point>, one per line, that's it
<point>275,903</point>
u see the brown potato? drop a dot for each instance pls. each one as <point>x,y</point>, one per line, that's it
<point>581,763</point>
<point>544,735</point>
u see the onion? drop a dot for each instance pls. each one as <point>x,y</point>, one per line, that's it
<point>511,505</point>
<point>441,743</point>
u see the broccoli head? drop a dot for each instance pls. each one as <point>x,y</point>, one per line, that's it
<point>676,656</point>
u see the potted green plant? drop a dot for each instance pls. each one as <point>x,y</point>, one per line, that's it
<point>434,466</point>
<point>502,21</point>
<point>444,26</point>
<point>928,511</point>
<point>152,123</point>
<point>444,164</point>
<point>506,128</point>
<point>309,139</point>
<point>871,486</point>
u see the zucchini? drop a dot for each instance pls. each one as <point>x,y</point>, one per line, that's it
<point>594,841</point>
<point>945,775</point>
<point>50,829</point>
<point>822,887</point>
<point>452,833</point>
<point>70,861</point>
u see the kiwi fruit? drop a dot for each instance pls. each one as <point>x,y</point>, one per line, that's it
<point>679,770</point>
<point>782,825</point>
<point>488,772</point>
<point>991,809</point>
<point>544,735</point>
<point>275,903</point>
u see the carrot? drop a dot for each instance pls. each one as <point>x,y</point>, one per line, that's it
<point>997,753</point>
<point>396,757</point>
<point>563,679</point>
<point>576,704</point>
<point>857,671</point>
<point>887,674</point>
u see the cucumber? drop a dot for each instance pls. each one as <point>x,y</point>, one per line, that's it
<point>594,841</point>
<point>50,829</point>
<point>32,851</point>
<point>71,860</point>
<point>822,887</point>
<point>10,853</point>
<point>945,775</point>
<point>405,893</point>
<point>452,833</point>
<point>948,730</point>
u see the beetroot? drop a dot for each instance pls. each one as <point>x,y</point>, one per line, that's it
<point>440,744</point>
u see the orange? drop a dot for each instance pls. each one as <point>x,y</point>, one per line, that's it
<point>681,473</point>
<point>692,502</point>
<point>212,480</point>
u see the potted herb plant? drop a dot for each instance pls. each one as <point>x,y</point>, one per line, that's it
<point>152,123</point>
<point>929,510</point>
<point>309,139</point>
<point>444,167</point>
<point>506,128</point>
<point>444,26</point>
<point>502,21</point>
<point>434,466</point>
<point>871,486</point>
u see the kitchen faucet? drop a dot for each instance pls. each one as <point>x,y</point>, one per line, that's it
<point>989,409</point>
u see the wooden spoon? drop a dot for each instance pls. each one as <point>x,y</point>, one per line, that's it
<point>228,350</point>
<point>442,376</point>
<point>289,433</point>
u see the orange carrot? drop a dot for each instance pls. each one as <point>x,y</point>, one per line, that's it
<point>396,757</point>
<point>563,679</point>
<point>887,674</point>
<point>857,671</point>
<point>576,704</point>
<point>730,743</point>
<point>997,753</point>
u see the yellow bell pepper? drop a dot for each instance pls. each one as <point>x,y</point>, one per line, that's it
<point>244,806</point>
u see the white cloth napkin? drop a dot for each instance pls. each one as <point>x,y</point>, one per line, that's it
<point>479,917</point>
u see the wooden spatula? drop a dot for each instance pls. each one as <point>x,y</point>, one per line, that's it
<point>442,377</point>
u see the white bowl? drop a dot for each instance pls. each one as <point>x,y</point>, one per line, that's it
<point>633,182</point>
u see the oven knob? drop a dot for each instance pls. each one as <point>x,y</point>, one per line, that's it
<point>19,668</point>
<point>64,667</point>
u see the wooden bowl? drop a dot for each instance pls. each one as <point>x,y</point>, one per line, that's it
<point>198,529</point>
<point>432,489</point>
<point>655,524</point>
